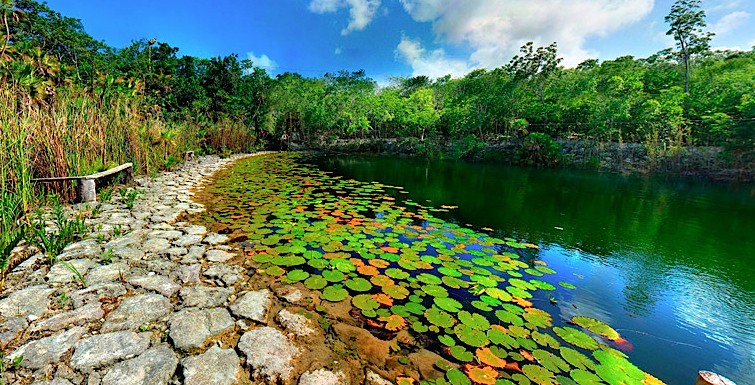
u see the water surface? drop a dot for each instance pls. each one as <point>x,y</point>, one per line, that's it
<point>667,262</point>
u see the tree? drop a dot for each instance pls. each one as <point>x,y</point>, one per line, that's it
<point>686,21</point>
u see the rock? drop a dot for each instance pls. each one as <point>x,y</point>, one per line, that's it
<point>156,245</point>
<point>295,323</point>
<point>217,367</point>
<point>191,327</point>
<point>204,296</point>
<point>368,346</point>
<point>10,328</point>
<point>49,350</point>
<point>157,283</point>
<point>166,234</point>
<point>373,378</point>
<point>136,311</point>
<point>253,305</point>
<point>322,377</point>
<point>96,292</point>
<point>218,255</point>
<point>189,274</point>
<point>128,253</point>
<point>229,274</point>
<point>294,296</point>
<point>196,230</point>
<point>61,273</point>
<point>32,301</point>
<point>30,263</point>
<point>87,249</point>
<point>105,349</point>
<point>424,360</point>
<point>80,316</point>
<point>188,240</point>
<point>215,239</point>
<point>268,353</point>
<point>153,367</point>
<point>57,381</point>
<point>106,273</point>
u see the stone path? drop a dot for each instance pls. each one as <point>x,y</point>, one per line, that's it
<point>161,304</point>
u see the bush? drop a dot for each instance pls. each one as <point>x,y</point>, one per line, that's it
<point>540,149</point>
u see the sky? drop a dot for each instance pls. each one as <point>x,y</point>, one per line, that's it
<point>401,37</point>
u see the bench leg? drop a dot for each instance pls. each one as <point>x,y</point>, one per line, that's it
<point>87,190</point>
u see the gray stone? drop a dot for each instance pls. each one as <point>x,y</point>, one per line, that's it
<point>215,239</point>
<point>153,367</point>
<point>11,328</point>
<point>30,263</point>
<point>106,273</point>
<point>196,230</point>
<point>96,292</point>
<point>157,283</point>
<point>217,367</point>
<point>128,253</point>
<point>204,296</point>
<point>167,234</point>
<point>229,274</point>
<point>218,255</point>
<point>191,327</point>
<point>61,273</point>
<point>268,353</point>
<point>88,249</point>
<point>80,316</point>
<point>176,251</point>
<point>137,311</point>
<point>105,349</point>
<point>294,296</point>
<point>373,378</point>
<point>295,323</point>
<point>57,381</point>
<point>322,377</point>
<point>189,274</point>
<point>253,305</point>
<point>32,301</point>
<point>188,240</point>
<point>49,350</point>
<point>156,245</point>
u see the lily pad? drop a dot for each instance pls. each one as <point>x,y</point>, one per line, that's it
<point>448,304</point>
<point>335,293</point>
<point>297,275</point>
<point>597,327</point>
<point>359,284</point>
<point>576,337</point>
<point>315,282</point>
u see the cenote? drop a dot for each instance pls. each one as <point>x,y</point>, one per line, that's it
<point>514,276</point>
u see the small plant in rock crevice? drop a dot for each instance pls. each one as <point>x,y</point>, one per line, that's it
<point>128,196</point>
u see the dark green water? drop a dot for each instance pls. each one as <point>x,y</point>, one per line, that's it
<point>669,263</point>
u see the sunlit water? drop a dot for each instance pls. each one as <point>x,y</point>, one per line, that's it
<point>669,263</point>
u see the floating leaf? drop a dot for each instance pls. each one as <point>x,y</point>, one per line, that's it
<point>393,322</point>
<point>447,304</point>
<point>333,275</point>
<point>471,336</point>
<point>457,377</point>
<point>550,361</point>
<point>461,353</point>
<point>435,291</point>
<point>396,273</point>
<point>368,270</point>
<point>381,280</point>
<point>335,293</point>
<point>447,340</point>
<point>475,320</point>
<point>537,318</point>
<point>439,318</point>
<point>297,275</point>
<point>583,377</point>
<point>275,271</point>
<point>486,356</point>
<point>365,302</point>
<point>359,284</point>
<point>481,375</point>
<point>539,375</point>
<point>429,279</point>
<point>576,337</point>
<point>597,327</point>
<point>576,358</point>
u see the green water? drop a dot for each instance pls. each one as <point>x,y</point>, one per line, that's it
<point>668,263</point>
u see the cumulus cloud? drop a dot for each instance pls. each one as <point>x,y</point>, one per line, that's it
<point>730,22</point>
<point>495,29</point>
<point>361,12</point>
<point>433,63</point>
<point>262,61</point>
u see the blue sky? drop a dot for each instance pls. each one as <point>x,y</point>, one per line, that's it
<point>401,37</point>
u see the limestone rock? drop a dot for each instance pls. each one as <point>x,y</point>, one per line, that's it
<point>80,316</point>
<point>61,273</point>
<point>157,283</point>
<point>204,296</point>
<point>217,367</point>
<point>322,377</point>
<point>295,323</point>
<point>45,351</point>
<point>188,240</point>
<point>216,239</point>
<point>189,274</point>
<point>191,327</point>
<point>229,274</point>
<point>57,381</point>
<point>373,378</point>
<point>253,305</point>
<point>218,255</point>
<point>106,273</point>
<point>94,293</point>
<point>105,349</point>
<point>32,301</point>
<point>156,245</point>
<point>269,354</point>
<point>372,348</point>
<point>153,367</point>
<point>136,311</point>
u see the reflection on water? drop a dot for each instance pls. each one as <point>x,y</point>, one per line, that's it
<point>669,263</point>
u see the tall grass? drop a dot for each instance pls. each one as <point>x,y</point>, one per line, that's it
<point>75,132</point>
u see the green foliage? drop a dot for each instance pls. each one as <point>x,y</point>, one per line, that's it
<point>540,149</point>
<point>64,231</point>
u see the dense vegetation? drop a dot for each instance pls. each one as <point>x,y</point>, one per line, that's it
<point>72,105</point>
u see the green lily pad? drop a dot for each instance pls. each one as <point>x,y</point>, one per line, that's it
<point>576,358</point>
<point>461,353</point>
<point>439,317</point>
<point>447,340</point>
<point>429,279</point>
<point>597,327</point>
<point>297,275</point>
<point>365,302</point>
<point>576,337</point>
<point>457,377</point>
<point>335,293</point>
<point>315,282</point>
<point>333,276</point>
<point>539,375</point>
<point>275,271</point>
<point>396,291</point>
<point>471,336</point>
<point>358,284</point>
<point>448,304</point>
<point>550,361</point>
<point>583,377</point>
<point>475,320</point>
<point>396,273</point>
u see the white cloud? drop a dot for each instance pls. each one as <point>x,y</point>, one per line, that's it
<point>361,12</point>
<point>262,61</point>
<point>495,29</point>
<point>724,5</point>
<point>434,63</point>
<point>338,51</point>
<point>730,22</point>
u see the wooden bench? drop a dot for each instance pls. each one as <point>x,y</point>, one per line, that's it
<point>88,183</point>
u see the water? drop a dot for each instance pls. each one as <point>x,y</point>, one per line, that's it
<point>667,262</point>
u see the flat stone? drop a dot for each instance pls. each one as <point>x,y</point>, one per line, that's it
<point>153,367</point>
<point>229,274</point>
<point>196,230</point>
<point>373,378</point>
<point>157,283</point>
<point>216,366</point>
<point>61,273</point>
<point>218,255</point>
<point>94,293</point>
<point>215,238</point>
<point>204,296</point>
<point>176,251</point>
<point>30,263</point>
<point>188,240</point>
<point>191,327</point>
<point>106,273</point>
<point>156,245</point>
<point>189,274</point>
<point>269,354</point>
<point>105,349</point>
<point>294,296</point>
<point>11,328</point>
<point>128,253</point>
<point>32,301</point>
<point>57,381</point>
<point>49,350</point>
<point>87,249</point>
<point>295,323</point>
<point>167,234</point>
<point>136,311</point>
<point>253,305</point>
<point>80,316</point>
<point>322,377</point>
